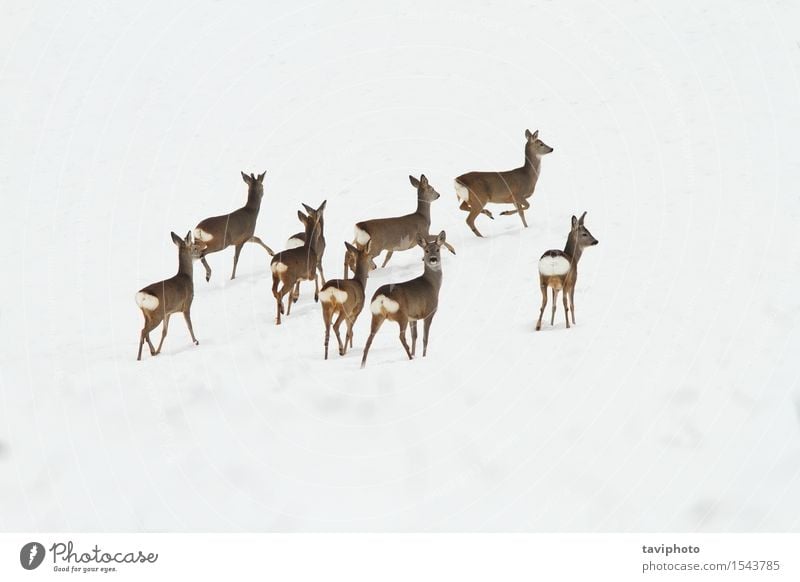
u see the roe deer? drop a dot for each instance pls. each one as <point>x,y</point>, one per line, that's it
<point>476,189</point>
<point>299,238</point>
<point>291,266</point>
<point>160,300</point>
<point>558,270</point>
<point>410,301</point>
<point>344,298</point>
<point>400,232</point>
<point>236,228</point>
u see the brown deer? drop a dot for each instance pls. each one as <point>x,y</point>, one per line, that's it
<point>558,270</point>
<point>236,228</point>
<point>160,300</point>
<point>299,238</point>
<point>344,298</point>
<point>410,301</point>
<point>291,266</point>
<point>476,189</point>
<point>400,232</point>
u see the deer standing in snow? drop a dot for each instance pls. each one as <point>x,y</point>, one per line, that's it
<point>400,232</point>
<point>477,189</point>
<point>558,270</point>
<point>408,302</point>
<point>236,228</point>
<point>344,298</point>
<point>299,239</point>
<point>160,300</point>
<point>292,266</point>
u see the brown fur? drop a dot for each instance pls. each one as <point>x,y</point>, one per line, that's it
<point>174,295</point>
<point>509,187</point>
<point>301,263</point>
<point>351,308</point>
<point>578,239</point>
<point>417,299</point>
<point>236,228</point>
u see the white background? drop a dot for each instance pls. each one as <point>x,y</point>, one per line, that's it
<point>672,405</point>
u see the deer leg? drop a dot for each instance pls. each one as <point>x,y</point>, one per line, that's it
<point>188,317</point>
<point>349,336</point>
<point>572,303</point>
<point>525,206</point>
<point>413,337</point>
<point>326,317</point>
<point>294,291</point>
<point>237,249</point>
<point>316,289</point>
<point>464,206</point>
<point>145,336</point>
<point>321,272</point>
<point>278,298</point>
<point>346,267</point>
<point>403,323</point>
<point>555,297</point>
<point>258,241</point>
<point>386,260</point>
<point>426,328</point>
<point>471,221</point>
<point>207,268</point>
<point>377,321</point>
<point>164,329</point>
<point>565,298</point>
<point>520,210</point>
<point>336,325</point>
<point>544,304</point>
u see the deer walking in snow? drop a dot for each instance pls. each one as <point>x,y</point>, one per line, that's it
<point>400,232</point>
<point>292,266</point>
<point>236,228</point>
<point>299,239</point>
<point>408,302</point>
<point>477,189</point>
<point>160,300</point>
<point>558,270</point>
<point>344,298</point>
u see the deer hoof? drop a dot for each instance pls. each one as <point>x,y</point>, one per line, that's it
<point>197,343</point>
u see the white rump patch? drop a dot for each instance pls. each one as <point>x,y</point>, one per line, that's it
<point>147,301</point>
<point>279,267</point>
<point>553,266</point>
<point>332,294</point>
<point>362,237</point>
<point>462,192</point>
<point>383,304</point>
<point>202,235</point>
<point>294,243</point>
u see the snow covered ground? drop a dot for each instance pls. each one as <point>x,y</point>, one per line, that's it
<point>672,405</point>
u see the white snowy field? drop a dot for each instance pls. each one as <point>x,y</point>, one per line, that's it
<point>672,405</point>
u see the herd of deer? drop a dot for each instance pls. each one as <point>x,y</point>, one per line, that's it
<point>343,299</point>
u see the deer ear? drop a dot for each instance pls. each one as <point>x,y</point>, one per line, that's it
<point>246,178</point>
<point>421,241</point>
<point>188,239</point>
<point>535,134</point>
<point>528,134</point>
<point>423,180</point>
<point>302,217</point>
<point>580,220</point>
<point>350,248</point>
<point>176,239</point>
<point>322,206</point>
<point>414,181</point>
<point>261,176</point>
<point>441,238</point>
<point>308,208</point>
<point>574,221</point>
